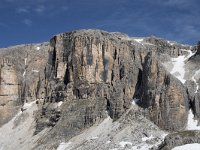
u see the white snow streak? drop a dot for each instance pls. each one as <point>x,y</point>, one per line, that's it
<point>139,40</point>
<point>35,70</point>
<point>194,146</point>
<point>25,61</point>
<point>24,73</point>
<point>179,66</point>
<point>25,67</point>
<point>147,138</point>
<point>192,124</point>
<point>63,145</point>
<point>60,103</point>
<point>123,143</point>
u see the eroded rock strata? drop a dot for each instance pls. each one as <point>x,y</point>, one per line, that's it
<point>80,77</point>
<point>109,71</point>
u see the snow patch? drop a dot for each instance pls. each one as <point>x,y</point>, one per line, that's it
<point>147,138</point>
<point>123,143</point>
<point>139,40</point>
<point>179,66</point>
<point>35,70</point>
<point>38,48</point>
<point>24,73</point>
<point>60,103</point>
<point>28,105</point>
<point>108,142</point>
<point>194,146</point>
<point>63,146</point>
<point>25,60</point>
<point>171,43</point>
<point>135,101</point>
<point>197,87</point>
<point>192,124</point>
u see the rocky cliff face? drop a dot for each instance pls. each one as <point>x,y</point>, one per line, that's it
<point>9,91</point>
<point>110,71</point>
<point>22,77</point>
<point>163,95</point>
<point>81,77</point>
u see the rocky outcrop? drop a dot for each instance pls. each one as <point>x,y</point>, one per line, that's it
<point>198,48</point>
<point>193,82</point>
<point>9,91</point>
<point>163,95</point>
<point>172,49</point>
<point>22,77</point>
<point>91,71</point>
<point>80,77</point>
<point>180,138</point>
<point>196,106</point>
<point>94,72</point>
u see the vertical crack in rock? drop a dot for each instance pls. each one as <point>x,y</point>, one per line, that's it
<point>138,87</point>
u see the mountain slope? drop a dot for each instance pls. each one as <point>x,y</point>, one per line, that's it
<point>83,77</point>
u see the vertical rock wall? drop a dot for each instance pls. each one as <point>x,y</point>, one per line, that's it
<point>163,95</point>
<point>95,73</point>
<point>9,91</point>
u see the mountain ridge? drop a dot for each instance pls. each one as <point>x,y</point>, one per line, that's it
<point>82,77</point>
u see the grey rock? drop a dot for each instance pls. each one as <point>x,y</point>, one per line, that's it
<point>93,73</point>
<point>180,138</point>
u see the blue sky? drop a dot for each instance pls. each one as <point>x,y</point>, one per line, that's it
<point>34,21</point>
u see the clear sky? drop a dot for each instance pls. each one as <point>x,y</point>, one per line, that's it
<point>34,21</point>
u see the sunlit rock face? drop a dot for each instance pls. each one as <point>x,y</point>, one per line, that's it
<point>79,78</point>
<point>104,70</point>
<point>9,91</point>
<point>21,77</point>
<point>96,71</point>
<point>163,95</point>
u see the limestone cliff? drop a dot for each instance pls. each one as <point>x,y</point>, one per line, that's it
<point>9,91</point>
<point>22,77</point>
<point>81,76</point>
<point>101,67</point>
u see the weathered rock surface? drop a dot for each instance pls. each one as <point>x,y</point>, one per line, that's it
<point>163,95</point>
<point>80,76</point>
<point>131,131</point>
<point>193,74</point>
<point>9,92</point>
<point>180,138</point>
<point>172,49</point>
<point>104,72</point>
<point>22,77</point>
